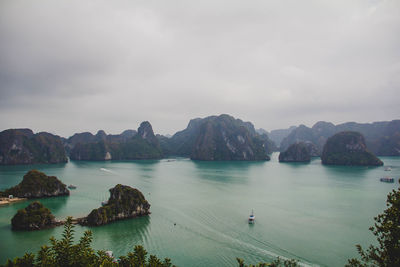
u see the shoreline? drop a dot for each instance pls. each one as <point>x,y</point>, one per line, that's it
<point>6,201</point>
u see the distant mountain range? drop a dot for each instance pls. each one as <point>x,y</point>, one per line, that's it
<point>212,138</point>
<point>382,138</point>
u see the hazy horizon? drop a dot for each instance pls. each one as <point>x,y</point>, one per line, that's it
<point>73,66</point>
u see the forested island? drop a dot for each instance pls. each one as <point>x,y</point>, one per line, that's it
<point>348,148</point>
<point>36,184</point>
<point>124,202</point>
<point>34,217</point>
<point>299,152</point>
<point>22,146</point>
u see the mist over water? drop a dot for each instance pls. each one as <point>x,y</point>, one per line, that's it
<point>310,212</point>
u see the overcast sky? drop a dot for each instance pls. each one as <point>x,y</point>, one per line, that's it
<point>73,66</point>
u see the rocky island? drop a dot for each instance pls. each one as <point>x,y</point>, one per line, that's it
<point>124,202</point>
<point>298,152</point>
<point>221,137</point>
<point>34,217</point>
<point>130,145</point>
<point>36,184</point>
<point>348,148</point>
<point>22,146</point>
<point>382,138</point>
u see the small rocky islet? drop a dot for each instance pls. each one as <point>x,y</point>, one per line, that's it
<point>34,217</point>
<point>348,148</point>
<point>125,202</point>
<point>298,152</point>
<point>36,184</point>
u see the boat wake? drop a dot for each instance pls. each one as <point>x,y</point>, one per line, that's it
<point>107,170</point>
<point>225,238</point>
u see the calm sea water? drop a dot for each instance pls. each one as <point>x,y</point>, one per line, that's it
<point>310,212</point>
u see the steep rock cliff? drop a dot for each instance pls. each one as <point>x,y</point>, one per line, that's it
<point>22,146</point>
<point>221,138</point>
<point>298,152</point>
<point>348,148</point>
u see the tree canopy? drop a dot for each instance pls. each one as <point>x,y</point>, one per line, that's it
<point>65,253</point>
<point>387,232</point>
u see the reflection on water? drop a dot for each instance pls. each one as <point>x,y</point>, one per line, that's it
<point>225,171</point>
<point>122,235</point>
<point>26,168</point>
<point>55,204</point>
<point>295,164</point>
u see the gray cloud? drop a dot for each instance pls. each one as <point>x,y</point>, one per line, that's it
<point>69,66</point>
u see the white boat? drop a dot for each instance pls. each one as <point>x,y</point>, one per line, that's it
<point>71,186</point>
<point>388,169</point>
<point>252,218</point>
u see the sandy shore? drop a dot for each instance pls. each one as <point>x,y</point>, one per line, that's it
<point>6,200</point>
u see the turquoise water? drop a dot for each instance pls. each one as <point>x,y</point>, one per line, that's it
<point>309,212</point>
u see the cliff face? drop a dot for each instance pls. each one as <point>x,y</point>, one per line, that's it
<point>348,148</point>
<point>278,135</point>
<point>34,217</point>
<point>22,146</point>
<point>124,202</point>
<point>36,184</point>
<point>221,138</point>
<point>382,138</point>
<point>130,145</point>
<point>299,152</point>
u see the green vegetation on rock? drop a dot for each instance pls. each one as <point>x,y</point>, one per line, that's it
<point>130,145</point>
<point>34,217</point>
<point>276,263</point>
<point>36,184</point>
<point>220,138</point>
<point>298,152</point>
<point>124,202</point>
<point>22,146</point>
<point>387,232</point>
<point>348,148</point>
<point>382,138</point>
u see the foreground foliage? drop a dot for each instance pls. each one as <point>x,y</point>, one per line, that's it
<point>387,232</point>
<point>64,253</point>
<point>276,263</point>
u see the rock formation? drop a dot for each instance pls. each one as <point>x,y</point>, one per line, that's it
<point>34,217</point>
<point>299,152</point>
<point>130,145</point>
<point>220,138</point>
<point>124,202</point>
<point>22,146</point>
<point>348,148</point>
<point>36,184</point>
<point>382,138</point>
